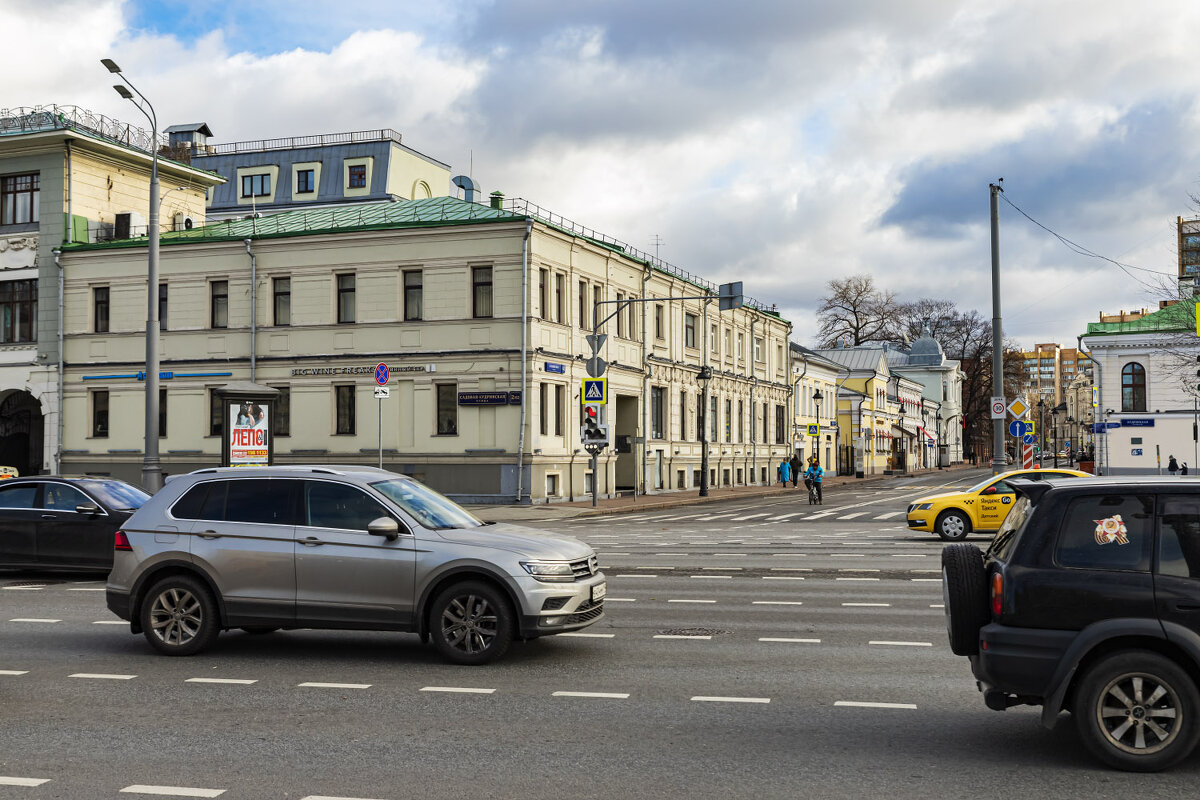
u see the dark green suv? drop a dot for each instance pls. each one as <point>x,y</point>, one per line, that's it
<point>1088,601</point>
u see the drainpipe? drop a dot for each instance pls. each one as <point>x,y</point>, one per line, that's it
<point>58,449</point>
<point>524,358</point>
<point>753,410</point>
<point>253,310</point>
<point>796,393</point>
<point>645,388</point>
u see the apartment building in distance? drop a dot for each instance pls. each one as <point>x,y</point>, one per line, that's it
<point>1048,369</point>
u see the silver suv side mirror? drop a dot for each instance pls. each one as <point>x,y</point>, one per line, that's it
<point>386,527</point>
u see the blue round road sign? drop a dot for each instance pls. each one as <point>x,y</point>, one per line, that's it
<point>381,374</point>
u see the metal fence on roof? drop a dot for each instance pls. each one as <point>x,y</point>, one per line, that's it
<point>293,142</point>
<point>521,206</point>
<point>34,119</point>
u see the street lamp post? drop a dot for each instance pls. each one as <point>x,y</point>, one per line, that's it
<point>938,455</point>
<point>1070,438</point>
<point>1054,424</point>
<point>1041,406</point>
<point>817,397</point>
<point>151,467</point>
<point>704,377</point>
<point>903,465</point>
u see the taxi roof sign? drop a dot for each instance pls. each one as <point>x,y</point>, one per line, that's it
<point>1017,408</point>
<point>594,390</point>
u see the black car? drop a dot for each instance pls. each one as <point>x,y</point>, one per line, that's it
<point>63,523</point>
<point>1088,601</point>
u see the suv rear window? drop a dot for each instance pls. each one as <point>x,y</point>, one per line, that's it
<point>259,500</point>
<point>1111,532</point>
<point>1179,537</point>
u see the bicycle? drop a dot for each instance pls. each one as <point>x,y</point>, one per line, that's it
<point>814,493</point>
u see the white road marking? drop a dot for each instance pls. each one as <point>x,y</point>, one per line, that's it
<point>314,685</point>
<point>86,589</point>
<point>783,577</point>
<point>733,555</point>
<point>712,577</point>
<point>890,514</point>
<point>856,579</point>
<point>234,681</point>
<point>785,516</point>
<point>858,569</point>
<point>676,636</point>
<point>791,569</point>
<point>173,791</point>
<point>853,704</point>
<point>937,605</point>
<point>612,695</point>
<point>926,580</point>
<point>620,600</point>
<point>691,601</point>
<point>110,622</point>
<point>847,555</point>
<point>640,575</point>
<point>751,516</point>
<point>33,619</point>
<point>871,605</point>
<point>581,635</point>
<point>701,699</point>
<point>730,569</point>
<point>852,516</point>
<point>789,555</point>
<point>653,568</point>
<point>457,690</point>
<point>905,644</point>
<point>14,672</point>
<point>797,641</point>
<point>23,588</point>
<point>776,603</point>
<point>103,676</point>
<point>908,555</point>
<point>6,780</point>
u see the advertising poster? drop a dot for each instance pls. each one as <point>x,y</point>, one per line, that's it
<point>248,440</point>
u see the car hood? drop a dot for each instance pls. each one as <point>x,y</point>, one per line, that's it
<point>529,542</point>
<point>933,498</point>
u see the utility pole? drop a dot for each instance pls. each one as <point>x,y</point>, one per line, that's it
<point>999,456</point>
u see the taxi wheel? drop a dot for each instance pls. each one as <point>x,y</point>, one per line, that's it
<point>952,526</point>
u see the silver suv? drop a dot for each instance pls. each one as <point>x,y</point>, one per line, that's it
<point>341,547</point>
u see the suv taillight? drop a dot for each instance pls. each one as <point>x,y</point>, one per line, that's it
<point>997,594</point>
<point>121,542</point>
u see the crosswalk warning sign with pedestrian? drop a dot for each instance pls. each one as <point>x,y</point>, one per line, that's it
<point>595,390</point>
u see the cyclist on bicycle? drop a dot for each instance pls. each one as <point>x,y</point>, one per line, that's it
<point>812,477</point>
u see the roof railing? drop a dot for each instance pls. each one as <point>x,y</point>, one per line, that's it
<point>297,142</point>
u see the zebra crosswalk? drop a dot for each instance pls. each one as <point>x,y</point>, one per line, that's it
<point>761,518</point>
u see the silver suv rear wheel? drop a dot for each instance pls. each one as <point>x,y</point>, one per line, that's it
<point>179,617</point>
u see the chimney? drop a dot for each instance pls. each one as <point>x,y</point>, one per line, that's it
<point>497,198</point>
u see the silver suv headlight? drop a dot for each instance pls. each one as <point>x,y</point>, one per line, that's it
<point>550,571</point>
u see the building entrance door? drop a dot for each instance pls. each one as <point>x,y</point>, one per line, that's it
<point>21,433</point>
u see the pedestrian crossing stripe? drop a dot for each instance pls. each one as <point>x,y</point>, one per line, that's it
<point>595,390</point>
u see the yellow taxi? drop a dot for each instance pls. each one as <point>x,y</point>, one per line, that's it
<point>981,508</point>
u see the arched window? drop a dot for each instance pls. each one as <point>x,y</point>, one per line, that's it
<point>1133,387</point>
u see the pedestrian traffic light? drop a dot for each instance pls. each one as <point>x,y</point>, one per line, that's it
<point>591,430</point>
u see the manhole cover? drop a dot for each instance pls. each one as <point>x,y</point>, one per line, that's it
<point>693,632</point>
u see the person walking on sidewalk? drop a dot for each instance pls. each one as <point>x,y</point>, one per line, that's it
<point>795,464</point>
<point>785,471</point>
<point>1172,465</point>
<point>813,477</point>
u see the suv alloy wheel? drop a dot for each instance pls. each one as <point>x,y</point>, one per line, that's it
<point>179,617</point>
<point>1137,710</point>
<point>471,623</point>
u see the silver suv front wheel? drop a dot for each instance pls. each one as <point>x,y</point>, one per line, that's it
<point>178,616</point>
<point>471,623</point>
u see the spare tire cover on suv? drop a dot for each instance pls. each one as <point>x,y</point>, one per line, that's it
<point>964,588</point>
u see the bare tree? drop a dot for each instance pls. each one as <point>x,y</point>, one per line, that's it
<point>856,312</point>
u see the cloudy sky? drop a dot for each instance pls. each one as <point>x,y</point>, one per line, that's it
<point>777,142</point>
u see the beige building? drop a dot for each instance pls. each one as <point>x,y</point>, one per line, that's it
<point>481,314</point>
<point>66,175</point>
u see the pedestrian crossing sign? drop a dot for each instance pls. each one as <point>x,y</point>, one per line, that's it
<point>595,390</point>
<point>814,430</point>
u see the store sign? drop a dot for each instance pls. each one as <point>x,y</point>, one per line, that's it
<point>309,371</point>
<point>249,439</point>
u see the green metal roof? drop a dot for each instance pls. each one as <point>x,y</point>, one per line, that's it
<point>1173,319</point>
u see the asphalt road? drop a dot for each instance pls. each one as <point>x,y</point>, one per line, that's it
<point>750,650</point>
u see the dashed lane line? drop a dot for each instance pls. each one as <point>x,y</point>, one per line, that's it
<point>793,641</point>
<point>856,579</point>
<point>22,588</point>
<point>868,605</point>
<point>599,695</point>
<point>903,644</point>
<point>680,636</point>
<point>316,685</point>
<point>14,672</point>
<point>777,603</point>
<point>231,681</point>
<point>859,704</point>
<point>582,635</point>
<point>9,780</point>
<point>33,619</point>
<point>457,690</point>
<point>783,577</point>
<point>691,601</point>
<point>704,699</point>
<point>102,676</point>
<point>173,791</point>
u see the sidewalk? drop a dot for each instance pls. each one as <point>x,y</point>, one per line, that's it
<point>676,499</point>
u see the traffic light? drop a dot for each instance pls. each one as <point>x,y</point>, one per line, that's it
<point>591,430</point>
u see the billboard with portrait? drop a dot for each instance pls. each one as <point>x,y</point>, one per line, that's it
<point>249,433</point>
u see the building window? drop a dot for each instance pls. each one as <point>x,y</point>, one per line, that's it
<point>100,309</point>
<point>560,298</point>
<point>689,330</point>
<point>712,340</point>
<point>1133,387</point>
<point>19,199</point>
<point>282,289</point>
<point>447,409</point>
<point>728,343</point>
<point>683,416</point>
<point>597,298</point>
<point>758,349</point>
<point>658,404</point>
<point>659,331</point>
<point>712,424</point>
<point>559,408</point>
<point>18,311</point>
<point>481,292</point>
<point>632,325</point>
<point>779,426</point>
<point>729,421</point>
<point>281,422</point>
<point>345,298</point>
<point>100,414</point>
<point>256,185</point>
<point>766,423</point>
<point>162,306</point>
<point>585,319</point>
<point>305,181</point>
<point>345,403</point>
<point>543,298</point>
<point>216,416</point>
<point>741,346</point>
<point>622,332</point>
<point>162,413</point>
<point>543,408</point>
<point>741,426</point>
<point>357,176</point>
<point>219,293</point>
<point>413,284</point>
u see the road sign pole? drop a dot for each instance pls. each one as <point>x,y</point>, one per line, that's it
<point>379,401</point>
<point>595,478</point>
